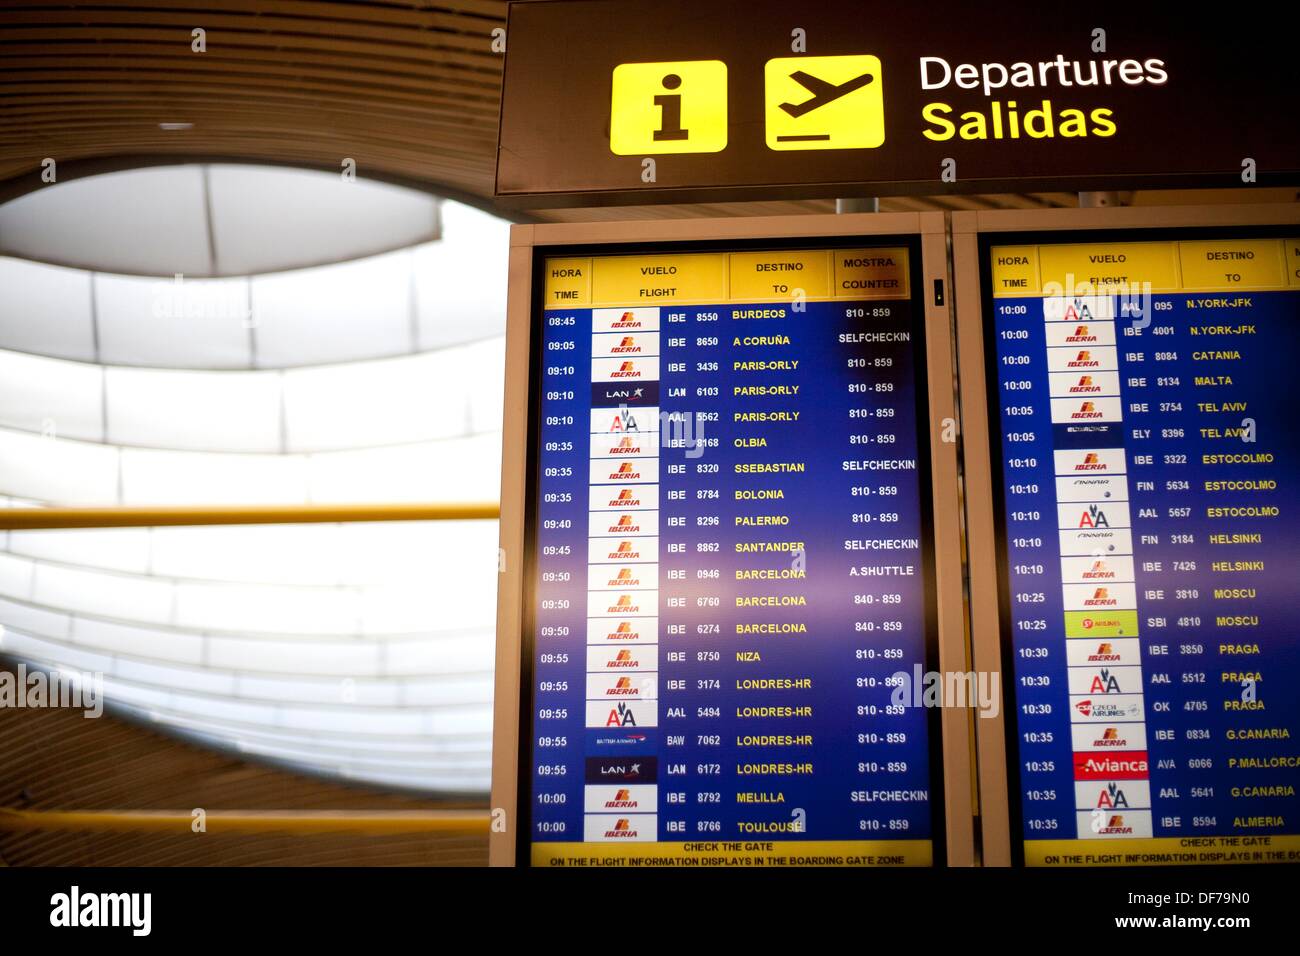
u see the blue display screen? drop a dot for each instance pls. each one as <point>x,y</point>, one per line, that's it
<point>730,564</point>
<point>1148,472</point>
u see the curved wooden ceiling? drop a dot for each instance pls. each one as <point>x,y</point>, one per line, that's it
<point>408,89</point>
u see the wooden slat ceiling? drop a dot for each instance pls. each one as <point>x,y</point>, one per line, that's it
<point>409,90</point>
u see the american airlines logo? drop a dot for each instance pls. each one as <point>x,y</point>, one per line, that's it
<point>1094,517</point>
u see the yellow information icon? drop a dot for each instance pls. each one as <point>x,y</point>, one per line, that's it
<point>676,107</point>
<point>824,102</point>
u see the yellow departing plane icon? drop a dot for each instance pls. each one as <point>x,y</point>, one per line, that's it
<point>824,102</point>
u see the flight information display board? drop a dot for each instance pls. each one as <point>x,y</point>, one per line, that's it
<point>729,517</point>
<point>1148,471</point>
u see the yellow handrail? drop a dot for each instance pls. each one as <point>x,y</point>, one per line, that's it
<point>308,822</point>
<point>24,519</point>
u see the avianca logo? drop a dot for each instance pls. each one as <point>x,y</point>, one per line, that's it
<point>1084,360</point>
<point>625,473</point>
<point>1086,410</point>
<point>1101,598</point>
<point>626,370</point>
<point>1105,654</point>
<point>1094,517</point>
<point>628,345</point>
<point>1124,766</point>
<point>621,716</point>
<point>1085,385</point>
<point>1081,334</point>
<point>622,801</point>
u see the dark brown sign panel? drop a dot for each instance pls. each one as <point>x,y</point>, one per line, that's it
<point>629,101</point>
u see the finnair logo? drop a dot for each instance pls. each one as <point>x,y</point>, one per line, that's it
<point>134,910</point>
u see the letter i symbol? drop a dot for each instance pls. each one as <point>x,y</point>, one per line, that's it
<point>670,111</point>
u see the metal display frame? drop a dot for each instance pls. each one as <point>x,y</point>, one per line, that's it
<point>972,233</point>
<point>528,244</point>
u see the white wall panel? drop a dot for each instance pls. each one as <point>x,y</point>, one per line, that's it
<point>194,323</point>
<point>51,396</point>
<point>56,470</point>
<point>46,310</point>
<point>199,411</point>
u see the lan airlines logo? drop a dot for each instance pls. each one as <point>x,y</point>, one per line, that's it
<point>824,102</point>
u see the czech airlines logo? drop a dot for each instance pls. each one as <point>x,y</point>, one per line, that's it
<point>1084,360</point>
<point>1085,386</point>
<point>1103,709</point>
<point>1094,517</point>
<point>1101,598</point>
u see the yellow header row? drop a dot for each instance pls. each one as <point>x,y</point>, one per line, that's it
<point>720,277</point>
<point>1220,265</point>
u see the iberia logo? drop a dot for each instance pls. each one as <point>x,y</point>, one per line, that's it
<point>627,321</point>
<point>623,605</point>
<point>622,801</point>
<point>625,472</point>
<point>625,496</point>
<point>624,658</point>
<point>1105,654</point>
<point>1099,569</point>
<point>1081,334</point>
<point>1086,385</point>
<point>1084,360</point>
<point>1101,598</point>
<point>622,633</point>
<point>627,370</point>
<point>1091,462</point>
<point>1086,410</point>
<point>627,346</point>
<point>623,688</point>
<point>622,830</point>
<point>626,446</point>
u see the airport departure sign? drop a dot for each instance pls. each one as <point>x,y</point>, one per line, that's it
<point>1149,465</point>
<point>730,561</point>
